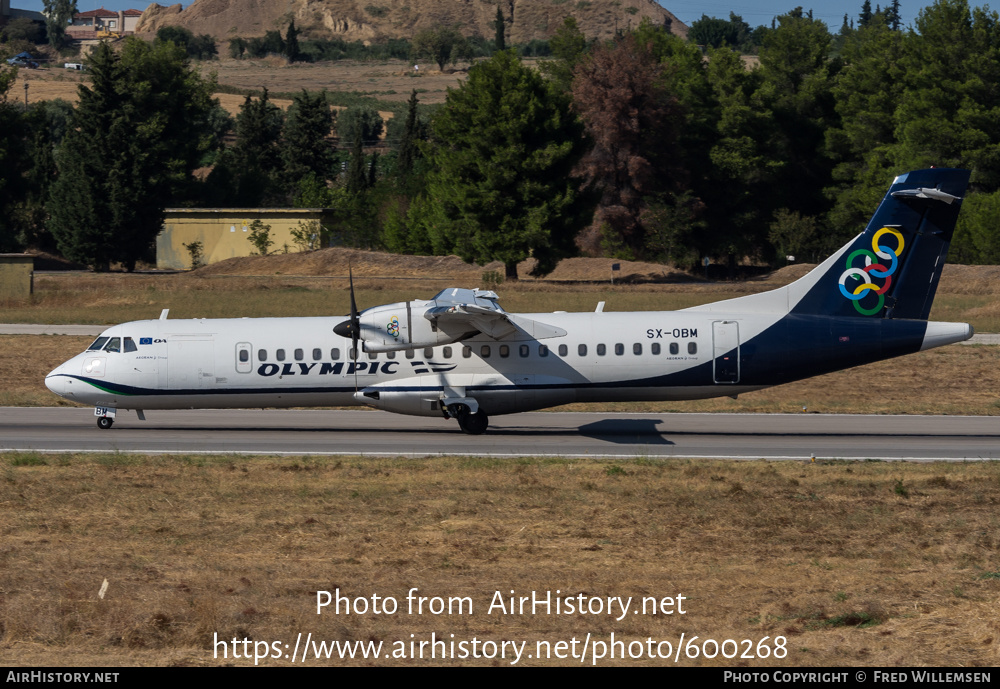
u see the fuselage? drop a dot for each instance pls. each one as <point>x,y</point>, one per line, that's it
<point>286,362</point>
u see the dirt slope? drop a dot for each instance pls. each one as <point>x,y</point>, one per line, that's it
<point>368,20</point>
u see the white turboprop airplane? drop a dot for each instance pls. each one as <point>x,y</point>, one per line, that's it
<point>459,355</point>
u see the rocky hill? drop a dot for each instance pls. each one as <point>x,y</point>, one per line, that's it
<point>371,20</point>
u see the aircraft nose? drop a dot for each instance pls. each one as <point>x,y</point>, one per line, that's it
<point>57,382</point>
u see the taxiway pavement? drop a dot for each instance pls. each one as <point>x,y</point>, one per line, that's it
<point>359,432</point>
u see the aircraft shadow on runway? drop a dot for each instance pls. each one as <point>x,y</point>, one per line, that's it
<point>625,431</point>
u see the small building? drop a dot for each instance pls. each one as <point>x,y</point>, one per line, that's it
<point>225,232</point>
<point>17,276</point>
<point>8,13</point>
<point>87,25</point>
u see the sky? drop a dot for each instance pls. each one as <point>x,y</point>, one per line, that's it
<point>754,12</point>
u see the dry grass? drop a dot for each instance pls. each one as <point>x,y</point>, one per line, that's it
<point>194,546</point>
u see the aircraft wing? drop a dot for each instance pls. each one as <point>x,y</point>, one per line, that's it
<point>465,318</point>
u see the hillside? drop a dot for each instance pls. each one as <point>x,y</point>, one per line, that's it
<point>371,20</point>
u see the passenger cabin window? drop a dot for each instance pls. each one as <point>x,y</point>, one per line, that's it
<point>98,344</point>
<point>563,350</point>
<point>390,355</point>
<point>317,354</point>
<point>299,355</point>
<point>335,353</point>
<point>466,352</point>
<point>244,356</point>
<point>601,350</point>
<point>637,348</point>
<point>280,355</point>
<point>446,352</point>
<point>655,348</point>
<point>692,347</point>
<point>352,354</point>
<point>262,355</point>
<point>484,351</point>
<point>582,350</point>
<point>619,349</point>
<point>373,355</point>
<point>410,353</point>
<point>130,345</point>
<point>504,351</point>
<point>428,352</point>
<point>543,350</point>
<point>523,350</point>
<point>674,348</point>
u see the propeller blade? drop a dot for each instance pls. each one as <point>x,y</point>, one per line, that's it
<point>355,319</point>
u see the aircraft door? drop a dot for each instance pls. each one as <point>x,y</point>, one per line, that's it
<point>726,351</point>
<point>244,357</point>
<point>191,363</point>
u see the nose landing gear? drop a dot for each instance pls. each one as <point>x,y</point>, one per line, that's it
<point>105,417</point>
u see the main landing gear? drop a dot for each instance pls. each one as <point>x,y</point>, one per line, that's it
<point>104,422</point>
<point>473,424</point>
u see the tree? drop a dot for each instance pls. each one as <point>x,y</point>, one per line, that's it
<point>138,132</point>
<point>304,148</point>
<point>292,42</point>
<point>867,93</point>
<point>12,162</point>
<point>568,45</point>
<point>408,150</point>
<point>360,119</point>
<point>632,122</point>
<point>357,179</point>
<point>503,149</point>
<point>197,47</point>
<point>499,42</point>
<point>718,32</point>
<point>440,45</point>
<point>255,157</point>
<point>58,13</point>
<point>866,14</point>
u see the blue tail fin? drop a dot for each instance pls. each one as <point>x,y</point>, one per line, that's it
<point>892,269</point>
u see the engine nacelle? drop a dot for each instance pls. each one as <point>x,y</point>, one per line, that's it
<point>412,324</point>
<point>394,327</point>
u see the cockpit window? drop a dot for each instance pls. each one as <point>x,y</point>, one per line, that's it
<point>130,345</point>
<point>98,344</point>
<point>114,345</point>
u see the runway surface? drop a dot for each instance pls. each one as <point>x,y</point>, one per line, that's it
<point>736,436</point>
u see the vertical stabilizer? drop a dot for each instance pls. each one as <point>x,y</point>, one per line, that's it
<point>892,269</point>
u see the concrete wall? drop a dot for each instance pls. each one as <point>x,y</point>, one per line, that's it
<point>16,275</point>
<point>224,232</point>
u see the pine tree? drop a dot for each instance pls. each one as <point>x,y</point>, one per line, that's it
<point>292,42</point>
<point>866,14</point>
<point>138,132</point>
<point>357,179</point>
<point>499,41</point>
<point>304,148</point>
<point>500,186</point>
<point>255,159</point>
<point>408,150</point>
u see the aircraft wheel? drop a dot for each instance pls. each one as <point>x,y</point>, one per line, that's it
<point>473,424</point>
<point>104,422</point>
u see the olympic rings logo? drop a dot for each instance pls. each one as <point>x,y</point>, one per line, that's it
<point>393,327</point>
<point>872,270</point>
